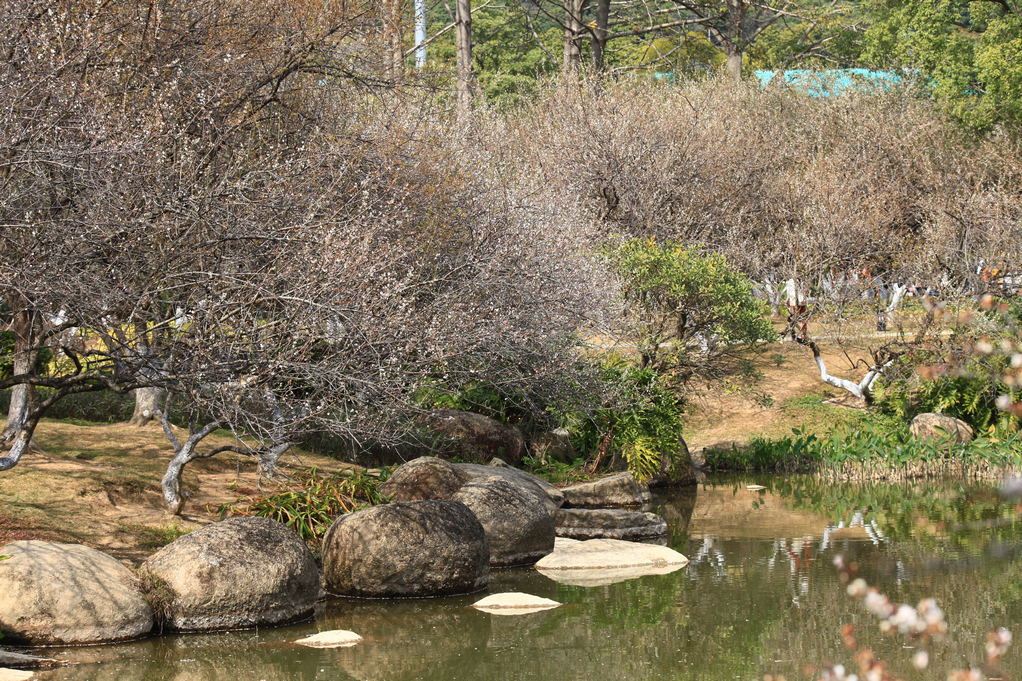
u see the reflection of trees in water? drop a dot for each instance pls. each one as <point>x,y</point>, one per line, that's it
<point>741,608</point>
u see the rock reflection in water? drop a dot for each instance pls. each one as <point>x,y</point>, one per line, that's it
<point>760,596</point>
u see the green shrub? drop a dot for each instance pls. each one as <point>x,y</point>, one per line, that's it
<point>312,501</point>
<point>641,425</point>
<point>689,310</point>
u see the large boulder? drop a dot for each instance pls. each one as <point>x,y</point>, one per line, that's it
<point>53,594</point>
<point>431,478</point>
<point>609,523</point>
<point>620,489</point>
<point>551,497</point>
<point>938,427</point>
<point>519,530</point>
<point>410,549</point>
<point>474,437</point>
<point>242,572</point>
<point>424,478</point>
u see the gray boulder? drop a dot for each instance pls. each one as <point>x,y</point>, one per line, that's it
<point>553,445</point>
<point>410,549</point>
<point>55,594</point>
<point>551,497</point>
<point>474,437</point>
<point>424,478</point>
<point>242,572</point>
<point>606,523</point>
<point>620,489</point>
<point>519,530</point>
<point>431,478</point>
<point>938,427</point>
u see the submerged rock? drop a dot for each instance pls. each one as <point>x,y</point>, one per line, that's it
<point>620,489</point>
<point>14,660</point>
<point>514,603</point>
<point>242,572</point>
<point>608,523</point>
<point>938,427</point>
<point>53,594</point>
<point>519,530</point>
<point>338,638</point>
<point>597,562</point>
<point>410,549</point>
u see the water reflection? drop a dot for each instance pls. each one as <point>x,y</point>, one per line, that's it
<point>760,596</point>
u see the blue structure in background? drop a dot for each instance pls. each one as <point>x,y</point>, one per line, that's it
<point>830,82</point>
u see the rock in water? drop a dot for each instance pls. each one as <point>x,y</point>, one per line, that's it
<point>242,572</point>
<point>608,523</point>
<point>53,594</point>
<point>519,530</point>
<point>331,639</point>
<point>410,549</point>
<point>597,562</point>
<point>938,427</point>
<point>514,603</point>
<point>14,675</point>
<point>620,489</point>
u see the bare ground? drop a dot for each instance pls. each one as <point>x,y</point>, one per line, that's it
<point>99,485</point>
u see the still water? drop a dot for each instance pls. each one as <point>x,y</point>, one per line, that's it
<point>760,596</point>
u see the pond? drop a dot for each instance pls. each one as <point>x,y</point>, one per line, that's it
<point>761,596</point>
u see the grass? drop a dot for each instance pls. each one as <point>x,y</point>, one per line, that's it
<point>557,472</point>
<point>99,484</point>
<point>150,537</point>
<point>870,448</point>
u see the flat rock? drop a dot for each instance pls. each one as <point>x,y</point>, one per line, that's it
<point>15,675</point>
<point>20,661</point>
<point>596,562</point>
<point>514,603</point>
<point>338,638</point>
<point>620,489</point>
<point>54,594</point>
<point>608,523</point>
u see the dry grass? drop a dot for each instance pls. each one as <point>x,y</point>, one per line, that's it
<point>99,485</point>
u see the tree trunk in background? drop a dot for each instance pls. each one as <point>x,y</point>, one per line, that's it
<point>573,35</point>
<point>600,35</point>
<point>26,326</point>
<point>147,405</point>
<point>733,40</point>
<point>392,30</point>
<point>463,44</point>
<point>734,63</point>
